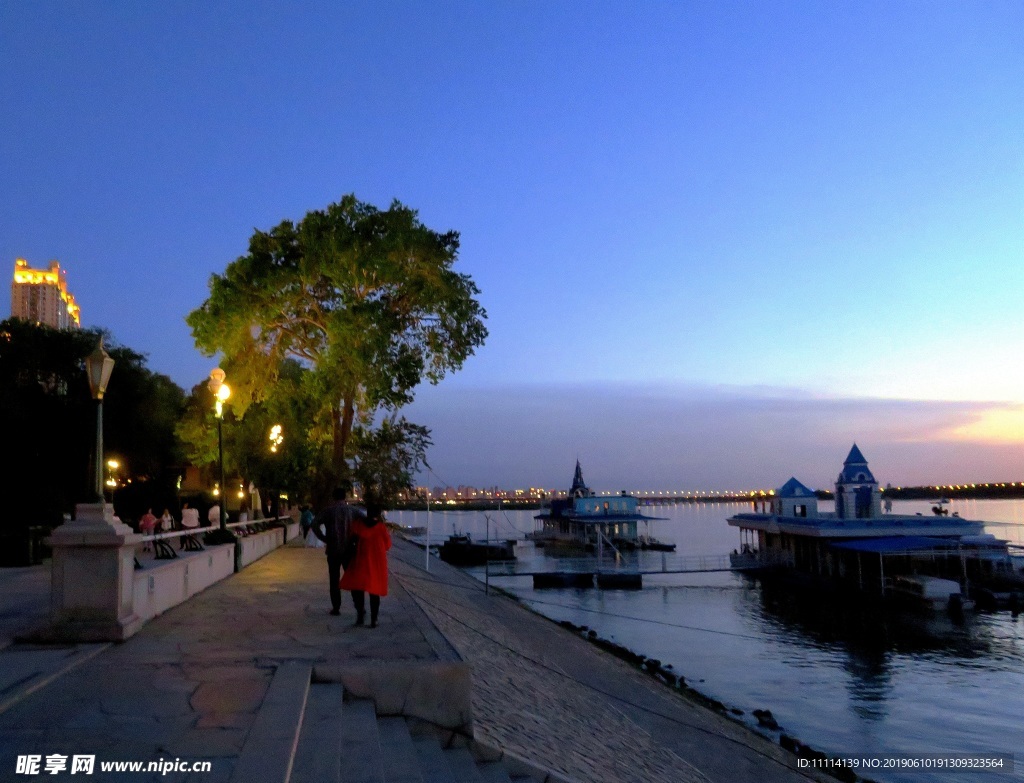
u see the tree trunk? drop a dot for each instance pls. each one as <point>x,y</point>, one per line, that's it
<point>343,419</point>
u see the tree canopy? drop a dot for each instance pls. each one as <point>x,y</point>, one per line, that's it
<point>366,300</point>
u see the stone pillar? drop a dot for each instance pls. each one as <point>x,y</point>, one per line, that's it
<point>876,502</point>
<point>849,503</point>
<point>93,577</point>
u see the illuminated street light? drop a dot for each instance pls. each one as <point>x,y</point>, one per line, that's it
<point>98,366</point>
<point>112,466</point>
<point>221,391</point>
<point>276,437</point>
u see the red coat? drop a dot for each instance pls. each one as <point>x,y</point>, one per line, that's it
<point>368,571</point>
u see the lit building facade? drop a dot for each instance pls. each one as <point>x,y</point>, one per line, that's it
<point>42,296</point>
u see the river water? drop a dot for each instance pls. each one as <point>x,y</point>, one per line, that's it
<point>846,679</point>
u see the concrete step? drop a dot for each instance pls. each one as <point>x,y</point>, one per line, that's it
<point>401,762</point>
<point>361,758</point>
<point>270,747</point>
<point>318,756</point>
<point>433,764</point>
<point>493,772</point>
<point>463,765</point>
<point>346,742</point>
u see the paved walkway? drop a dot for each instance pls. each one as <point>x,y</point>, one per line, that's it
<point>190,684</point>
<point>24,600</point>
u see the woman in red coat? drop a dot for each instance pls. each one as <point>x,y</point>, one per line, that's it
<point>368,571</point>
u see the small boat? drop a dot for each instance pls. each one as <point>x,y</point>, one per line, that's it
<point>563,579</point>
<point>461,550</point>
<point>654,545</point>
<point>989,598</point>
<point>929,593</point>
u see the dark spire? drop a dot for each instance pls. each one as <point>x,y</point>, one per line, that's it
<point>579,488</point>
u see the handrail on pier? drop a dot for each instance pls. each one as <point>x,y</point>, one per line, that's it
<point>189,536</point>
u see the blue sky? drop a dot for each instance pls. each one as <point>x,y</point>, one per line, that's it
<point>715,204</point>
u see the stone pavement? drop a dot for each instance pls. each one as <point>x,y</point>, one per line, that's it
<point>191,682</point>
<point>24,600</point>
<point>196,682</point>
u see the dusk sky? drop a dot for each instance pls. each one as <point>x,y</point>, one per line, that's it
<point>718,242</point>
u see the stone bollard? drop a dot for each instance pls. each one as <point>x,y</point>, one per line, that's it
<point>92,578</point>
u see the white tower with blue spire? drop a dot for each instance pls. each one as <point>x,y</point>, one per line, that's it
<point>857,492</point>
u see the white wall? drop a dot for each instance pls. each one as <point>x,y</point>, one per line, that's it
<point>168,583</point>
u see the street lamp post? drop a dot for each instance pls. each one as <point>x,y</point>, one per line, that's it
<point>98,366</point>
<point>221,392</point>
<point>276,437</point>
<point>93,569</point>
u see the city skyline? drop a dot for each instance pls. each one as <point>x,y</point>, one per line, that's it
<point>715,243</point>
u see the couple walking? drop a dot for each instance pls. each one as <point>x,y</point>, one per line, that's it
<point>356,541</point>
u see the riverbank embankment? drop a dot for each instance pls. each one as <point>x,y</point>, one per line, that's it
<point>543,692</point>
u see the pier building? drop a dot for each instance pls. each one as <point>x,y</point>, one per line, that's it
<point>860,546</point>
<point>584,519</point>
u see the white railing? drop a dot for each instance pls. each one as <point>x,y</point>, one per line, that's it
<point>647,563</point>
<point>163,550</point>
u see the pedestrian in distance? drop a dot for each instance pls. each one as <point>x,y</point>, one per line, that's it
<point>147,526</point>
<point>213,516</point>
<point>332,526</point>
<point>306,519</point>
<point>368,572</point>
<point>166,521</point>
<point>189,516</point>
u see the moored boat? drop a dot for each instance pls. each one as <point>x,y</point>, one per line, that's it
<point>461,550</point>
<point>927,593</point>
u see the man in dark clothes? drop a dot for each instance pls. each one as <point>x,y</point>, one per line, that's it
<point>332,526</point>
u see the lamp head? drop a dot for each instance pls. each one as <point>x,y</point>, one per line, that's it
<point>98,366</point>
<point>217,376</point>
<point>220,390</point>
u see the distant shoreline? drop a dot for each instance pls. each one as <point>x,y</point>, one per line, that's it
<point>991,491</point>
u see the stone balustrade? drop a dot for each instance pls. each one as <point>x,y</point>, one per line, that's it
<point>100,591</point>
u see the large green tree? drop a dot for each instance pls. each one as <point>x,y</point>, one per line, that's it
<point>367,300</point>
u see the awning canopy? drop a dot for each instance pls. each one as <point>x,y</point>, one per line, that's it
<point>896,544</point>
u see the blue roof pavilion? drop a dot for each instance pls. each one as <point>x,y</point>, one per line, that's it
<point>793,489</point>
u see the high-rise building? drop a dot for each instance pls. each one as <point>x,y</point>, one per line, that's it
<point>42,296</point>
